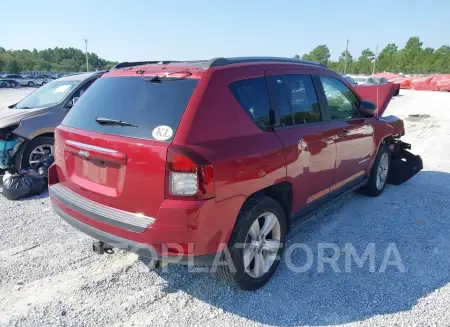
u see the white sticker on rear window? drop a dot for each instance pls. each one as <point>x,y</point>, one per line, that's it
<point>61,89</point>
<point>162,133</point>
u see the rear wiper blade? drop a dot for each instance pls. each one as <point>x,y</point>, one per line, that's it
<point>158,78</point>
<point>107,121</point>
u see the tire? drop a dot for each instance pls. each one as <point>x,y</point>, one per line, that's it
<point>3,85</point>
<point>22,159</point>
<point>30,83</point>
<point>374,188</point>
<point>251,213</point>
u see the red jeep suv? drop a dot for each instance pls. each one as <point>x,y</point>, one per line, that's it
<point>206,161</point>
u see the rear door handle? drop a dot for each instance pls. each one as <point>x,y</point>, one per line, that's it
<point>343,133</point>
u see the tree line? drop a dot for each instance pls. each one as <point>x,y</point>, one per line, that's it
<point>412,59</point>
<point>54,60</point>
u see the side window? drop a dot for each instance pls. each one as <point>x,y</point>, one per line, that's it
<point>78,93</point>
<point>295,99</point>
<point>253,97</point>
<point>342,103</point>
<point>302,99</point>
<point>280,100</point>
<point>83,88</point>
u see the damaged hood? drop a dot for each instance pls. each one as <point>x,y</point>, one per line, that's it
<point>12,116</point>
<point>379,94</point>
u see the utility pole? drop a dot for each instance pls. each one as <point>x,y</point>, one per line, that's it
<point>375,60</point>
<point>87,60</point>
<point>345,59</point>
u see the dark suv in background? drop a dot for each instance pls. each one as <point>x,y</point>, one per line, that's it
<point>175,160</point>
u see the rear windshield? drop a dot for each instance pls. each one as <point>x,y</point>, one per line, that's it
<point>154,109</point>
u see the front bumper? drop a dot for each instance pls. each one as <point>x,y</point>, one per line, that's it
<point>404,164</point>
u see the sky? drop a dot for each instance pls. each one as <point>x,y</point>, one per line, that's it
<point>201,29</point>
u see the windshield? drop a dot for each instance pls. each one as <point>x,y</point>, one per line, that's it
<point>47,95</point>
<point>360,79</point>
<point>112,103</point>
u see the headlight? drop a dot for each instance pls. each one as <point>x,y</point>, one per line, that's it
<point>5,132</point>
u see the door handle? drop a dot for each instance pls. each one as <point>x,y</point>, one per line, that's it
<point>343,133</point>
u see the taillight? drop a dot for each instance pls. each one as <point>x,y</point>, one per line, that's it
<point>188,174</point>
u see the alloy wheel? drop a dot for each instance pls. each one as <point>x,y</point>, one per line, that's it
<point>40,153</point>
<point>382,171</point>
<point>262,245</point>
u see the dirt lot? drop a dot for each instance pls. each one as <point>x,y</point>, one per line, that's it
<point>49,276</point>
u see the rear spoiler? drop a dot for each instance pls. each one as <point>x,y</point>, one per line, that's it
<point>126,64</point>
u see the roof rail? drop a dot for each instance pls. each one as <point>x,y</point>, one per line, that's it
<point>238,60</point>
<point>140,63</point>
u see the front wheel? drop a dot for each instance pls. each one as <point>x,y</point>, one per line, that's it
<point>379,173</point>
<point>256,244</point>
<point>35,152</point>
<point>30,84</point>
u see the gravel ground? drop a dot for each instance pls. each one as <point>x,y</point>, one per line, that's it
<point>49,276</point>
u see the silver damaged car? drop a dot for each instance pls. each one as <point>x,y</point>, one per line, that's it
<point>27,127</point>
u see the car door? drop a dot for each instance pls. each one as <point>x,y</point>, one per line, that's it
<point>354,135</point>
<point>308,144</point>
<point>17,78</point>
<point>22,81</point>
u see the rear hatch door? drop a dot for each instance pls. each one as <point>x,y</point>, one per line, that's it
<point>111,148</point>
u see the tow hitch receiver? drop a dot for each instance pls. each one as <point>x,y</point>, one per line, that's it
<point>101,248</point>
<point>404,164</point>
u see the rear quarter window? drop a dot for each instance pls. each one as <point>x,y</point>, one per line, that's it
<point>150,106</point>
<point>253,97</point>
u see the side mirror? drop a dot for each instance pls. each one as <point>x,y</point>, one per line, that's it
<point>367,108</point>
<point>72,102</point>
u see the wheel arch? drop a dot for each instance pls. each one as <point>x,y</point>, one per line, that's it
<point>20,151</point>
<point>282,193</point>
<point>384,134</point>
<point>48,134</point>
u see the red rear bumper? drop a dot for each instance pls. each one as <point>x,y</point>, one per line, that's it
<point>187,229</point>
